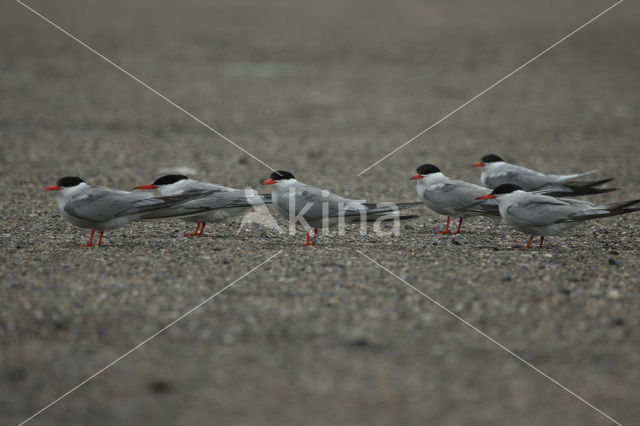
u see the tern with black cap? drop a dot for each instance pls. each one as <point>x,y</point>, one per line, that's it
<point>496,171</point>
<point>317,208</point>
<point>100,208</point>
<point>543,215</point>
<point>452,198</point>
<point>220,202</point>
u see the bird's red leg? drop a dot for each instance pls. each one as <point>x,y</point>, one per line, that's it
<point>446,231</point>
<point>315,236</point>
<point>100,240</point>
<point>529,243</point>
<point>202,228</point>
<point>459,227</point>
<point>541,241</point>
<point>308,243</point>
<point>194,233</point>
<point>90,243</point>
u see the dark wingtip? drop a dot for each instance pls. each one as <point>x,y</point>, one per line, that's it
<point>579,192</point>
<point>588,184</point>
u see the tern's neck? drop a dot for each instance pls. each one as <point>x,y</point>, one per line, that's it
<point>69,192</point>
<point>66,194</point>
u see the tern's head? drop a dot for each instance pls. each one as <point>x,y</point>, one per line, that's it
<point>500,190</point>
<point>66,182</point>
<point>425,171</point>
<point>280,177</point>
<point>164,181</point>
<point>488,160</point>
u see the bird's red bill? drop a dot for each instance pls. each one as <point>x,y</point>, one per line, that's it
<point>416,177</point>
<point>479,164</point>
<point>53,188</point>
<point>269,182</point>
<point>486,197</point>
<point>149,186</point>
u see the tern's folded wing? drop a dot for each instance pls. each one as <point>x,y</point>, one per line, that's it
<point>461,196</point>
<point>101,204</point>
<point>317,203</point>
<point>542,210</point>
<point>229,199</point>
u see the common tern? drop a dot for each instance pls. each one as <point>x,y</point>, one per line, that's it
<point>453,198</point>
<point>100,208</point>
<point>496,172</point>
<point>317,208</point>
<point>220,201</point>
<point>543,215</point>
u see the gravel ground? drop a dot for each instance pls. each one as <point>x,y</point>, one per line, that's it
<point>317,335</point>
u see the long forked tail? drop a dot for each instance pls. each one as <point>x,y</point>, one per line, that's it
<point>623,206</point>
<point>613,209</point>
<point>579,188</point>
<point>375,211</point>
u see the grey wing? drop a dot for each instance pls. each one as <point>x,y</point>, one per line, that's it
<point>569,178</point>
<point>101,204</point>
<point>203,187</point>
<point>318,202</point>
<point>226,199</point>
<point>527,181</point>
<point>542,210</point>
<point>457,195</point>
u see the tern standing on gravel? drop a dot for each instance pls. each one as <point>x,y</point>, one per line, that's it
<point>496,172</point>
<point>452,197</point>
<point>542,215</point>
<point>314,207</point>
<point>220,201</point>
<point>101,208</point>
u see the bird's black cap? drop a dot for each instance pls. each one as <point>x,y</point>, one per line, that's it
<point>427,169</point>
<point>281,175</point>
<point>505,188</point>
<point>491,158</point>
<point>69,181</point>
<point>169,179</point>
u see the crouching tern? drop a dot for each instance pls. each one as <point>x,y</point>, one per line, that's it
<point>496,172</point>
<point>318,208</point>
<point>452,198</point>
<point>220,202</point>
<point>543,215</point>
<point>100,208</point>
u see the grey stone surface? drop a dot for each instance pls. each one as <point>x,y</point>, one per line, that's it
<point>319,335</point>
